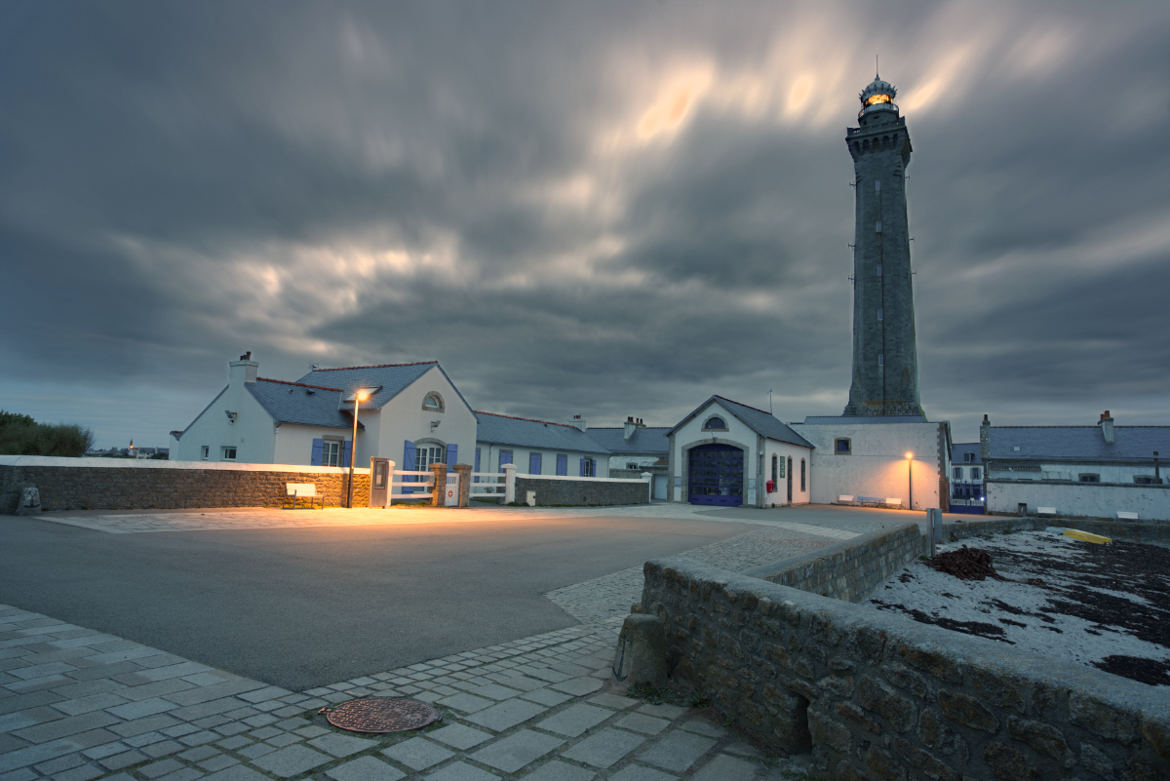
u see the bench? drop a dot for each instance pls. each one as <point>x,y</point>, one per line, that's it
<point>1123,515</point>
<point>1046,511</point>
<point>892,501</point>
<point>302,492</point>
<point>844,499</point>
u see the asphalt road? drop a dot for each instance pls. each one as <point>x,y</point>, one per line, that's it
<point>305,607</point>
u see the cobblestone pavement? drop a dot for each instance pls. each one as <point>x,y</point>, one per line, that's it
<point>77,704</point>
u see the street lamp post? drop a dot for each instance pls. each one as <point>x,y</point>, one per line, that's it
<point>358,397</point>
<point>910,476</point>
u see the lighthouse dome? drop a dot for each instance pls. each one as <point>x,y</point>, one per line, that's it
<point>878,95</point>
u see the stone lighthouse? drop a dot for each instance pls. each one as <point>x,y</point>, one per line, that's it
<point>885,356</point>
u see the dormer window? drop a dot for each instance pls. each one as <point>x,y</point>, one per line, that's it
<point>715,423</point>
<point>433,402</point>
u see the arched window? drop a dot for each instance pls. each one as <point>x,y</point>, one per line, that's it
<point>433,402</point>
<point>802,474</point>
<point>715,423</point>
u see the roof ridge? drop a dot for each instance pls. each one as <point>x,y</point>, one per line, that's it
<point>372,366</point>
<point>299,384</point>
<point>748,406</point>
<point>530,420</point>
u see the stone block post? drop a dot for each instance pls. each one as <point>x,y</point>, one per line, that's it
<point>439,492</point>
<point>509,471</point>
<point>464,472</point>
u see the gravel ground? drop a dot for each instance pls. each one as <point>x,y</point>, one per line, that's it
<point>1106,606</point>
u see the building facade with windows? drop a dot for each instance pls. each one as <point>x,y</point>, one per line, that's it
<point>729,454</point>
<point>1091,471</point>
<point>967,473</point>
<point>412,414</point>
<point>537,447</point>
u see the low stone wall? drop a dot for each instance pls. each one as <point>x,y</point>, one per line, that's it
<point>850,570</point>
<point>876,695</point>
<point>595,491</point>
<point>124,484</point>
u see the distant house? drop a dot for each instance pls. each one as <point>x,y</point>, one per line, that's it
<point>1093,471</point>
<point>636,448</point>
<point>966,477</point>
<point>729,454</point>
<point>537,447</point>
<point>414,415</point>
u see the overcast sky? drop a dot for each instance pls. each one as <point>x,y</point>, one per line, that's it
<point>608,209</point>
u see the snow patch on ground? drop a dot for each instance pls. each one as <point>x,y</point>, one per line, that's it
<point>1102,606</point>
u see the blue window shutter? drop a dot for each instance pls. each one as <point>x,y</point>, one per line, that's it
<point>534,463</point>
<point>582,472</point>
<point>452,455</point>
<point>505,457</point>
<point>345,451</point>
<point>477,459</point>
<point>562,464</point>
<point>409,464</point>
<point>315,457</point>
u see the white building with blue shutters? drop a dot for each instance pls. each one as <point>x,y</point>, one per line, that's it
<point>538,447</point>
<point>414,415</point>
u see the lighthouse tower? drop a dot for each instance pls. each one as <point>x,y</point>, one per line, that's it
<point>885,355</point>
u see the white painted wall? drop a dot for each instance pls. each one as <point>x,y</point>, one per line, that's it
<point>252,433</point>
<point>1087,500</point>
<point>403,418</point>
<point>1109,473</point>
<point>490,460</point>
<point>877,465</point>
<point>783,451</point>
<point>294,442</point>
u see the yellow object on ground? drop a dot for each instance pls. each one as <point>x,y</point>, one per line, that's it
<point>1077,534</point>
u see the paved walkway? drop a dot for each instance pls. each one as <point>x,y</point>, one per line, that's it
<point>77,704</point>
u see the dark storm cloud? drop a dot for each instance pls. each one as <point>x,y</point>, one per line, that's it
<point>604,209</point>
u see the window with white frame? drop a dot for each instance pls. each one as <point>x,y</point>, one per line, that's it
<point>427,454</point>
<point>229,453</point>
<point>976,474</point>
<point>958,473</point>
<point>204,452</point>
<point>331,453</point>
<point>588,467</point>
<point>433,402</point>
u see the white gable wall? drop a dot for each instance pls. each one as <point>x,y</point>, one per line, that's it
<point>251,433</point>
<point>876,465</point>
<point>783,451</point>
<point>403,418</point>
<point>756,462</point>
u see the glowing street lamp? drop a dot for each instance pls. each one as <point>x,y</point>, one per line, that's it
<point>910,476</point>
<point>358,397</point>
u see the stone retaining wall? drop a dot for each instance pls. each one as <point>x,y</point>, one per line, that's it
<point>850,570</point>
<point>122,484</point>
<point>876,695</point>
<point>594,491</point>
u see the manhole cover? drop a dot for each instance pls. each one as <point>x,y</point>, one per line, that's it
<point>380,714</point>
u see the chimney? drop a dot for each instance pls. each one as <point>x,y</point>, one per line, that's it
<point>243,370</point>
<point>1106,424</point>
<point>985,439</point>
<point>630,428</point>
<point>578,421</point>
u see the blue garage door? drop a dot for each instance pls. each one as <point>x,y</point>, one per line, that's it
<point>715,475</point>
